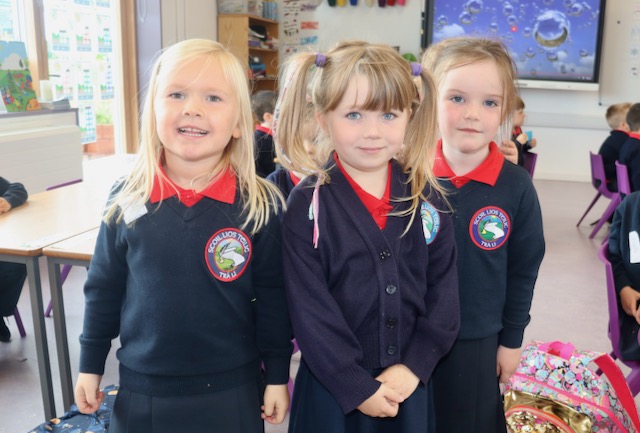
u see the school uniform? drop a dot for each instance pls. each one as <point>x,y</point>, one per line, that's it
<point>624,255</point>
<point>265,151</point>
<point>610,152</point>
<point>521,148</point>
<point>365,299</point>
<point>12,275</point>
<point>199,305</point>
<point>630,156</point>
<point>500,242</point>
<point>284,180</point>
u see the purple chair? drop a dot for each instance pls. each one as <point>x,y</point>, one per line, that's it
<point>633,379</point>
<point>599,182</point>
<point>18,319</point>
<point>529,162</point>
<point>64,272</point>
<point>622,176</point>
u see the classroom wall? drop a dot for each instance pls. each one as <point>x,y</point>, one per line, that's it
<point>567,124</point>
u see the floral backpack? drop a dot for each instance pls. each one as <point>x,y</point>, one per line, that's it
<point>558,389</point>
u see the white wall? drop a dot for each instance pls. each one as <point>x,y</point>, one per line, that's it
<point>567,124</point>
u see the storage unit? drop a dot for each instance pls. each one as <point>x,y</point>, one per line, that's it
<point>233,32</point>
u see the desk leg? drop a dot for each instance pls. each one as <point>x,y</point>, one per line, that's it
<point>42,349</point>
<point>60,326</point>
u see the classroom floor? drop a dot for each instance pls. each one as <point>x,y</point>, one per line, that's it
<point>569,305</point>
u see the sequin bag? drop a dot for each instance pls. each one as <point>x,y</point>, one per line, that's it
<point>558,389</point>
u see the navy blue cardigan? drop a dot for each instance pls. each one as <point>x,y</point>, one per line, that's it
<point>367,298</point>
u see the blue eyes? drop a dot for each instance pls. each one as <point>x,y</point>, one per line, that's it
<point>460,100</point>
<point>358,116</point>
<point>210,98</point>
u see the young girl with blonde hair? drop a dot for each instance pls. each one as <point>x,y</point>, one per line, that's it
<point>187,269</point>
<point>368,245</point>
<point>498,226</point>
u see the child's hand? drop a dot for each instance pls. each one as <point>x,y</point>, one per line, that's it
<point>399,378</point>
<point>507,362</point>
<point>509,151</point>
<point>87,393</point>
<point>276,403</point>
<point>384,403</point>
<point>4,205</point>
<point>533,142</point>
<point>629,299</point>
<point>522,138</point>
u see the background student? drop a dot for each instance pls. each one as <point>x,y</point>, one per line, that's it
<point>368,243</point>
<point>263,104</point>
<point>498,226</point>
<point>624,255</point>
<point>187,268</point>
<point>630,151</point>
<point>12,275</point>
<point>616,116</point>
<point>520,138</point>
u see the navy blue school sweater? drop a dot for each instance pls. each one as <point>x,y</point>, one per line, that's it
<point>14,193</point>
<point>630,156</point>
<point>368,298</point>
<point>610,152</point>
<point>198,303</point>
<point>500,248</point>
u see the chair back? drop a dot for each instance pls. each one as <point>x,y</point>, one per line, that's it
<point>71,182</point>
<point>622,176</point>
<point>612,300</point>
<point>598,178</point>
<point>530,162</point>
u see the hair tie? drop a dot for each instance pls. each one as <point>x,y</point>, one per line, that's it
<point>321,59</point>
<point>416,69</point>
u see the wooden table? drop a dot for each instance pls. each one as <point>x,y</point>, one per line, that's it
<point>48,217</point>
<point>76,251</point>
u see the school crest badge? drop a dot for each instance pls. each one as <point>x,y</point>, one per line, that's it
<point>227,254</point>
<point>430,221</point>
<point>489,228</point>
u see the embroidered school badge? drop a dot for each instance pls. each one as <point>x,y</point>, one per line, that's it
<point>489,228</point>
<point>430,221</point>
<point>227,254</point>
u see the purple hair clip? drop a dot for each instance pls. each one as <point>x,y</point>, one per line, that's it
<point>321,59</point>
<point>416,69</point>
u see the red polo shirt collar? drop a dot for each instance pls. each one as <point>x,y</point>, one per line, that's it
<point>487,172</point>
<point>222,189</point>
<point>634,135</point>
<point>295,179</point>
<point>378,208</point>
<point>264,129</point>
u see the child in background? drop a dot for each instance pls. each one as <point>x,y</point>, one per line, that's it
<point>285,179</point>
<point>630,151</point>
<point>187,268</point>
<point>498,227</point>
<point>616,116</point>
<point>12,275</point>
<point>624,255</point>
<point>369,255</point>
<point>520,138</point>
<point>263,104</point>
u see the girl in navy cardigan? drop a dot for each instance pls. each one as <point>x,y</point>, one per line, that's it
<point>368,246</point>
<point>187,269</point>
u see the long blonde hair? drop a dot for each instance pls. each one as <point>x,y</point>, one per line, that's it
<point>392,86</point>
<point>258,195</point>
<point>453,53</point>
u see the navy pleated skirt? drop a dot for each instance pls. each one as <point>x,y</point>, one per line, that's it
<point>315,410</point>
<point>233,410</point>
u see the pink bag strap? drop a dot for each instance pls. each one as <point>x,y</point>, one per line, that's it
<point>558,348</point>
<point>619,384</point>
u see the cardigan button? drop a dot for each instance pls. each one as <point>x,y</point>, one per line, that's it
<point>391,289</point>
<point>391,350</point>
<point>384,255</point>
<point>391,323</point>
